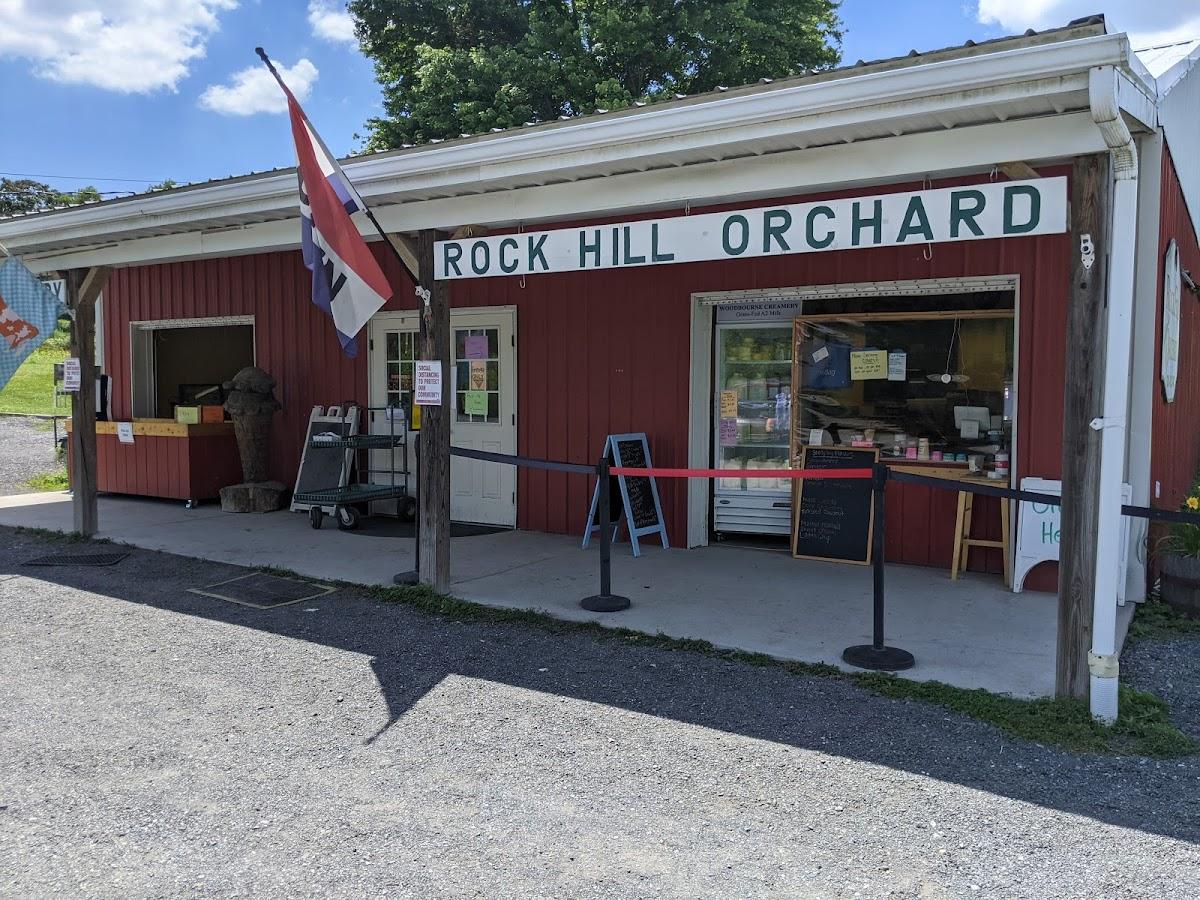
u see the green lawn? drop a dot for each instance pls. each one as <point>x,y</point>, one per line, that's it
<point>31,389</point>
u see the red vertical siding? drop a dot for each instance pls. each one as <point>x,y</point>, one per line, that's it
<point>293,341</point>
<point>609,351</point>
<point>1175,452</point>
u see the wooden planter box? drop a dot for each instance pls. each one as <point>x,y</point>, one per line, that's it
<point>1180,580</point>
<point>167,459</point>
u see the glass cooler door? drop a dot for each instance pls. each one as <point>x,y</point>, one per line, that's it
<point>752,409</point>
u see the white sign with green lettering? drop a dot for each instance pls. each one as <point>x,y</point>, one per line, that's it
<point>974,212</point>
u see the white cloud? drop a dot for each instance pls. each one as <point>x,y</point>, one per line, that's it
<point>254,90</point>
<point>331,21</point>
<point>1148,22</point>
<point>129,46</point>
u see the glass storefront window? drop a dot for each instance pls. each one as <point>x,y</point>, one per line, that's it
<point>928,384</point>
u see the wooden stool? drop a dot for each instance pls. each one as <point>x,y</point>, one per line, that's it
<point>963,542</point>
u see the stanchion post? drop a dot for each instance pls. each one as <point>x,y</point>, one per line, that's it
<point>605,601</point>
<point>413,576</point>
<point>877,655</point>
<point>879,515</point>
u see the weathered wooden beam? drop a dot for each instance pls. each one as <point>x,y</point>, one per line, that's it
<point>83,286</point>
<point>1082,402</point>
<point>1018,171</point>
<point>406,249</point>
<point>434,482</point>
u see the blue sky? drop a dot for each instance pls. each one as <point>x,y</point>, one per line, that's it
<point>149,89</point>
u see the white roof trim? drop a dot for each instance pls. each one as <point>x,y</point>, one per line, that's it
<point>716,127</point>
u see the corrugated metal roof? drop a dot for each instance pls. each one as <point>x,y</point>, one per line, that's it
<point>1170,62</point>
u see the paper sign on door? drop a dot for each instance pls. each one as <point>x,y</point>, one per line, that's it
<point>478,375</point>
<point>728,432</point>
<point>729,404</point>
<point>475,403</point>
<point>476,347</point>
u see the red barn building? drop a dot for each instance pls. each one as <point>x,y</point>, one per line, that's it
<point>969,297</point>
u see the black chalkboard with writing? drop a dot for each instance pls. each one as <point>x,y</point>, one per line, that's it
<point>643,508</point>
<point>832,519</point>
<point>633,496</point>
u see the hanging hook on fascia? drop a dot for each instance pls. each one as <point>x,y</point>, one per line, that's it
<point>927,252</point>
<point>520,230</point>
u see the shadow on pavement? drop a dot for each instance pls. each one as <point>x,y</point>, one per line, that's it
<point>411,652</point>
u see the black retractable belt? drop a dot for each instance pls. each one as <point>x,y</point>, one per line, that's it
<point>878,655</point>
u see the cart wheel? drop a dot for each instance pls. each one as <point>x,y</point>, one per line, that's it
<point>347,518</point>
<point>408,508</point>
<point>315,515</point>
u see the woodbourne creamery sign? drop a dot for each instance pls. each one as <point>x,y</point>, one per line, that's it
<point>975,212</point>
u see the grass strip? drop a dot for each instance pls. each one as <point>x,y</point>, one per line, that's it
<point>1143,726</point>
<point>49,481</point>
<point>1155,619</point>
<point>31,388</point>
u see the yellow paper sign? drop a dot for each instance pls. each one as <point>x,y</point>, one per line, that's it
<point>478,375</point>
<point>416,418</point>
<point>476,403</point>
<point>868,364</point>
<point>729,404</point>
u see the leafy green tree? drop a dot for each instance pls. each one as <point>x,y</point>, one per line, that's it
<point>465,66</point>
<point>24,195</point>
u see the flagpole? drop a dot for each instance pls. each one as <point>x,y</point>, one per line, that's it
<point>413,576</point>
<point>262,54</point>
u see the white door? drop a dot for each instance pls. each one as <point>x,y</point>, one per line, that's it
<point>483,412</point>
<point>484,416</point>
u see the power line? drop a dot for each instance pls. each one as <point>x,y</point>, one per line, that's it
<point>80,177</point>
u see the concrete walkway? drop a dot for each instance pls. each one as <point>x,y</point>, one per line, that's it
<point>971,633</point>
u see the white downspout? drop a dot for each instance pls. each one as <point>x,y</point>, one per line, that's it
<point>1122,246</point>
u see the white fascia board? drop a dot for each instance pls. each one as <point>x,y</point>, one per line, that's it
<point>707,123</point>
<point>1136,103</point>
<point>892,86</point>
<point>773,175</point>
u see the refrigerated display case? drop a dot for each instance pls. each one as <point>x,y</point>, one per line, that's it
<point>752,412</point>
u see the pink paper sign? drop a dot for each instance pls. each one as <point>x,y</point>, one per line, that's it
<point>476,346</point>
<point>729,432</point>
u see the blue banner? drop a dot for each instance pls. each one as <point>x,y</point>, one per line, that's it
<point>29,312</point>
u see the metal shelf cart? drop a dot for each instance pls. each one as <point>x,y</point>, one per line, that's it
<point>344,499</point>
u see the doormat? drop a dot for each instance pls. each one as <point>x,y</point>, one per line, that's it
<point>78,559</point>
<point>381,526</point>
<point>262,591</point>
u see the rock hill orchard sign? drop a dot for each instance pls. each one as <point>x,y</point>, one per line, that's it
<point>975,212</point>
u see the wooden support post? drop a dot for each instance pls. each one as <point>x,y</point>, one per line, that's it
<point>1083,401</point>
<point>83,286</point>
<point>434,344</point>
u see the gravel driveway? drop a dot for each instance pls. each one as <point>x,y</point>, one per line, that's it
<point>158,743</point>
<point>26,449</point>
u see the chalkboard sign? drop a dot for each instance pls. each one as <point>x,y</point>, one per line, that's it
<point>325,468</point>
<point>833,519</point>
<point>634,496</point>
<point>643,498</point>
